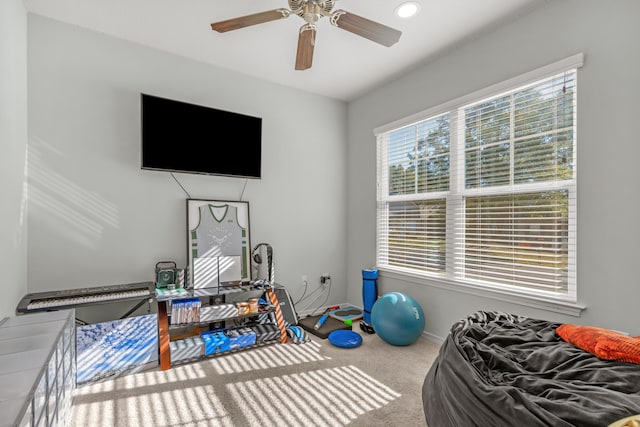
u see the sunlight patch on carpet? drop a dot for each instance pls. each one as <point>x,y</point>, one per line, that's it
<point>325,397</point>
<point>182,406</point>
<point>268,357</point>
<point>144,379</point>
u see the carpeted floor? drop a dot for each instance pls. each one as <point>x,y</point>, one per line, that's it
<point>313,384</point>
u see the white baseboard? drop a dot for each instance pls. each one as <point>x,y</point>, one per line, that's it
<point>436,339</point>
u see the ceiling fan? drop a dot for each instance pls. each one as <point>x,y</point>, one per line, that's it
<point>311,11</point>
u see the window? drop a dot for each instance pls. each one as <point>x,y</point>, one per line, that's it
<point>417,161</point>
<point>482,190</point>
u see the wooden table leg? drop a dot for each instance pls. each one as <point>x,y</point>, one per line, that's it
<point>163,336</point>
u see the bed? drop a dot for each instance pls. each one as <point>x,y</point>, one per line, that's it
<point>499,369</point>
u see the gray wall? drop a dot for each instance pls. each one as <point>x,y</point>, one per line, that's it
<point>13,143</point>
<point>95,218</point>
<point>608,151</point>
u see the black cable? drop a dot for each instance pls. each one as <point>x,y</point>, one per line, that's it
<point>318,289</point>
<point>243,188</point>
<point>328,288</point>
<point>176,179</point>
<point>306,286</point>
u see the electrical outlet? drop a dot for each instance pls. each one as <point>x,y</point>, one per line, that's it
<point>324,278</point>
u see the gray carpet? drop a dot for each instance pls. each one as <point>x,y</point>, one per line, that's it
<point>313,384</point>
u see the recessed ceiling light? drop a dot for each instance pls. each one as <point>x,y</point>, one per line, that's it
<point>407,9</point>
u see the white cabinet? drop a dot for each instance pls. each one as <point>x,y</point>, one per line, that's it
<point>37,368</point>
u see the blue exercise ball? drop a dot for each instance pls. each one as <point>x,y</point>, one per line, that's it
<point>397,318</point>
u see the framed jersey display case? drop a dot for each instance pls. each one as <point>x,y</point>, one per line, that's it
<point>218,243</point>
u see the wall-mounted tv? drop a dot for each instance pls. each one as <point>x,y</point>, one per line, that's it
<point>182,137</point>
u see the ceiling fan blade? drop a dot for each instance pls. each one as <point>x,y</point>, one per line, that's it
<point>366,28</point>
<point>306,43</point>
<point>248,20</point>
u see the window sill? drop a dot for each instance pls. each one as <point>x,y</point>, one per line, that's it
<point>557,306</point>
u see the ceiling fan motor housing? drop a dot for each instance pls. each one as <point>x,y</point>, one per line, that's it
<point>311,10</point>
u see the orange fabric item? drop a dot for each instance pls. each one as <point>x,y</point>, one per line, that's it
<point>624,348</point>
<point>279,316</point>
<point>584,337</point>
<point>603,343</point>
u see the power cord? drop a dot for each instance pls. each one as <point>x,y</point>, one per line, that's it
<point>176,179</point>
<point>326,289</point>
<point>243,188</point>
<point>306,286</point>
<point>318,289</point>
<point>326,298</point>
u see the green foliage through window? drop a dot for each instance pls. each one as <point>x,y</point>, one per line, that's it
<point>419,157</point>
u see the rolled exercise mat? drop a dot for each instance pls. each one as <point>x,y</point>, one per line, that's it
<point>369,292</point>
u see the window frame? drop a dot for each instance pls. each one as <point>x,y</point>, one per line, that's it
<point>450,279</point>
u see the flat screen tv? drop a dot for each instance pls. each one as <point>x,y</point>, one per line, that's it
<point>182,137</point>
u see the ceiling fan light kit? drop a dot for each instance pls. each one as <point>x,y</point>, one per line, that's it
<point>311,11</point>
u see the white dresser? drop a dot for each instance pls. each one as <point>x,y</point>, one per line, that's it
<point>37,368</point>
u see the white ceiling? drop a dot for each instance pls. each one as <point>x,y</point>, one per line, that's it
<point>344,65</point>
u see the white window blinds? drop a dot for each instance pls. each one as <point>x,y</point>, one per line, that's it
<point>519,187</point>
<point>485,192</point>
<point>412,187</point>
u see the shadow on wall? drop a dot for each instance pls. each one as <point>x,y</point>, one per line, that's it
<point>60,204</point>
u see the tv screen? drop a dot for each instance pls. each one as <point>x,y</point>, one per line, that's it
<point>182,137</point>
